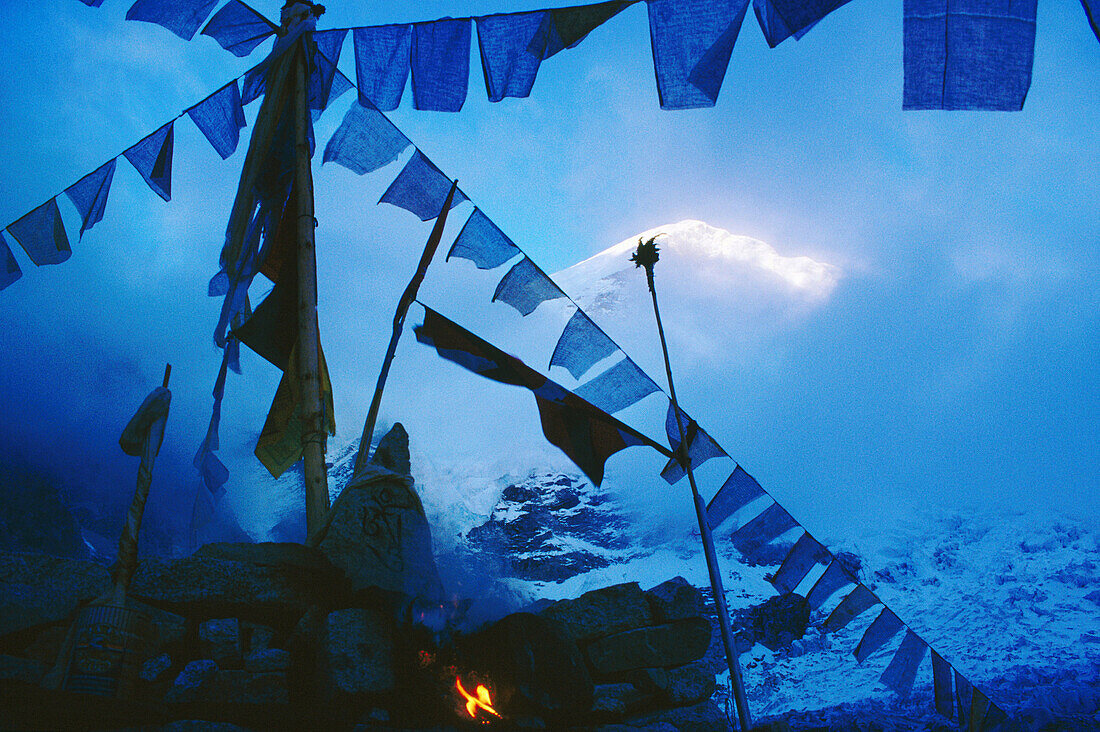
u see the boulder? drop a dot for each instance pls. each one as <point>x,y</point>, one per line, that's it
<point>24,670</point>
<point>268,659</point>
<point>36,589</point>
<point>675,599</point>
<point>669,644</point>
<point>191,680</point>
<point>378,536</point>
<point>392,452</point>
<point>602,612</point>
<point>680,686</point>
<point>155,667</point>
<point>352,652</point>
<point>534,664</point>
<point>702,717</point>
<point>220,641</point>
<point>778,621</point>
<point>615,701</point>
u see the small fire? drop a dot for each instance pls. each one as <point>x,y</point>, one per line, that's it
<point>482,699</point>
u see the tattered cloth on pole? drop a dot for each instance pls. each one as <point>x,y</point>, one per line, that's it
<point>585,433</point>
<point>144,432</point>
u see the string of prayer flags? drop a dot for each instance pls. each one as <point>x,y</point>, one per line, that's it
<point>220,118</point>
<point>238,28</point>
<point>509,68</point>
<point>620,386</point>
<point>701,446</point>
<point>152,157</point>
<point>89,194</point>
<point>854,603</point>
<point>692,41</point>
<point>563,28</point>
<point>482,242</point>
<point>440,64</point>
<point>182,17</point>
<point>365,141</point>
<point>382,63</point>
<point>902,671</point>
<point>525,286</point>
<point>798,16</point>
<point>1092,12</point>
<point>581,345</point>
<point>421,188</point>
<point>585,433</point>
<point>775,29</point>
<point>833,579</point>
<point>41,233</point>
<point>941,683</point>
<point>884,627</point>
<point>739,490</point>
<point>9,268</point>
<point>806,553</point>
<point>773,522</point>
<point>967,54</point>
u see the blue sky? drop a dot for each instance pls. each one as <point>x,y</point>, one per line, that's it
<point>954,363</point>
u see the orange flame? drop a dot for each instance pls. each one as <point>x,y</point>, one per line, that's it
<point>473,703</point>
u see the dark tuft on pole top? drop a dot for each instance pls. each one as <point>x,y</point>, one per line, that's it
<point>646,255</point>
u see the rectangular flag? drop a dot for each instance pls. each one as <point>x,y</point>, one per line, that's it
<point>806,553</point>
<point>885,627</point>
<point>738,491</point>
<point>941,680</point>
<point>902,671</point>
<point>854,603</point>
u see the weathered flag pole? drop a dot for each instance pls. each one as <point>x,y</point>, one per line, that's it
<point>403,304</point>
<point>313,434</point>
<point>646,256</point>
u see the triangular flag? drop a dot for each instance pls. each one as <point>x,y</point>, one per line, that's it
<point>884,627</point>
<point>617,388</point>
<point>41,233</point>
<point>806,553</point>
<point>525,287</point>
<point>365,141</point>
<point>89,194</point>
<point>220,118</point>
<point>855,603</point>
<point>9,268</point>
<point>238,28</point>
<point>152,157</point>
<point>581,345</point>
<point>483,243</point>
<point>182,17</point>
<point>421,188</point>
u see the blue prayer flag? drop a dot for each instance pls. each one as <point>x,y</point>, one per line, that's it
<point>220,118</point>
<point>9,268</point>
<point>692,41</point>
<point>563,28</point>
<point>254,84</point>
<point>483,243</point>
<point>995,719</point>
<point>382,62</point>
<point>326,83</point>
<point>238,28</point>
<point>152,157</point>
<point>902,671</point>
<point>798,16</point>
<point>509,68</point>
<point>834,578</point>
<point>854,603</point>
<point>581,345</point>
<point>92,3</point>
<point>618,387</point>
<point>365,141</point>
<point>941,681</point>
<point>89,194</point>
<point>440,64</point>
<point>1093,14</point>
<point>738,491</point>
<point>772,523</point>
<point>803,556</point>
<point>41,233</point>
<point>885,627</point>
<point>701,446</point>
<point>964,698</point>
<point>421,188</point>
<point>182,17</point>
<point>979,706</point>
<point>525,286</point>
<point>772,24</point>
<point>969,54</point>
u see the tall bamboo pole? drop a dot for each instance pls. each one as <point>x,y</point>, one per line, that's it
<point>309,384</point>
<point>646,256</point>
<point>403,304</point>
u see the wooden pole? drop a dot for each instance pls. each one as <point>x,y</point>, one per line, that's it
<point>309,384</point>
<point>647,259</point>
<point>398,326</point>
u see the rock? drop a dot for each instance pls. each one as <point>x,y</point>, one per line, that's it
<point>268,659</point>
<point>670,644</point>
<point>778,621</point>
<point>243,687</point>
<point>378,536</point>
<point>191,680</point>
<point>702,717</point>
<point>615,701</point>
<point>678,686</point>
<point>220,641</point>
<point>256,637</point>
<point>392,452</point>
<point>674,600</point>
<point>36,589</point>
<point>354,652</point>
<point>155,667</point>
<point>23,670</point>
<point>46,643</point>
<point>534,664</point>
<point>602,612</point>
